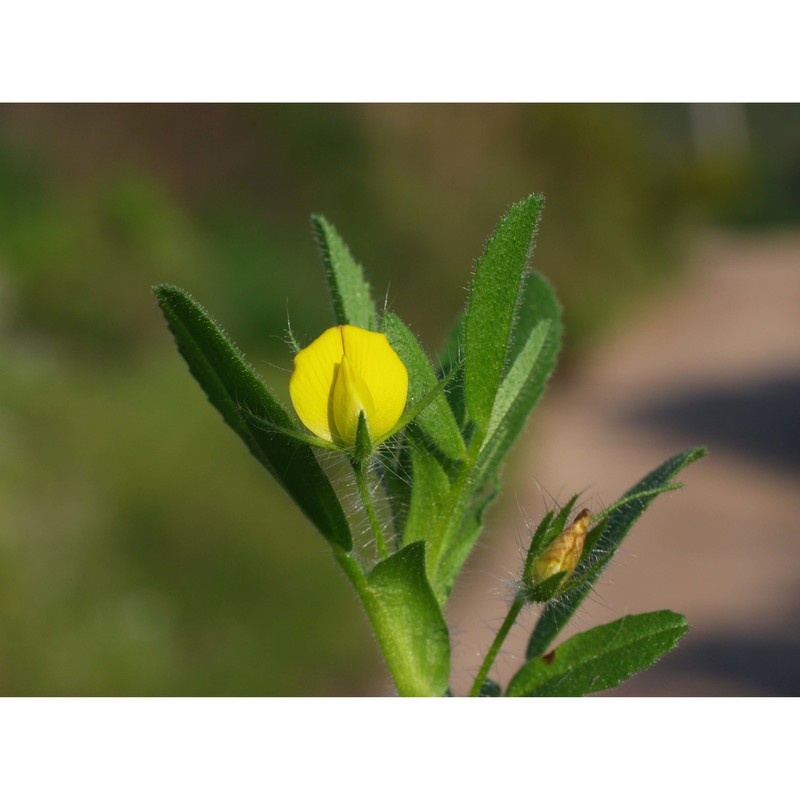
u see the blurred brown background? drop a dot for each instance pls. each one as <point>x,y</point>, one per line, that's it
<point>143,551</point>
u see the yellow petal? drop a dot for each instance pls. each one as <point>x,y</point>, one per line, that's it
<point>344,371</point>
<point>311,384</point>
<point>351,396</point>
<point>383,373</point>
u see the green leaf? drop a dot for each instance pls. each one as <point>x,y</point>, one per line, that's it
<point>452,545</point>
<point>537,343</point>
<point>430,488</point>
<point>235,390</point>
<point>409,623</point>
<point>556,615</point>
<point>514,382</point>
<point>437,419</point>
<point>350,292</point>
<point>600,658</point>
<point>451,358</point>
<point>493,298</point>
<point>445,572</point>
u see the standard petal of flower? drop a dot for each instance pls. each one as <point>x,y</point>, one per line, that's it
<point>311,384</point>
<point>384,374</point>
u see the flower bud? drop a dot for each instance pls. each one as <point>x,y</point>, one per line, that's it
<point>565,552</point>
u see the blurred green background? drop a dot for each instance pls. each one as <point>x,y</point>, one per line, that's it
<point>142,550</point>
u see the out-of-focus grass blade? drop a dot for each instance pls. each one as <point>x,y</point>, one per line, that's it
<point>238,394</point>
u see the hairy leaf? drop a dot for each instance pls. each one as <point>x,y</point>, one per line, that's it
<point>437,420</point>
<point>538,334</point>
<point>235,390</point>
<point>409,623</point>
<point>493,297</point>
<point>450,358</point>
<point>430,489</point>
<point>350,292</point>
<point>600,658</point>
<point>556,615</point>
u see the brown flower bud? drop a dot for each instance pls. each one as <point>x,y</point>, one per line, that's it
<point>565,551</point>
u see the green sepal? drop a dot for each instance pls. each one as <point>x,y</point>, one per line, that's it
<point>437,419</point>
<point>556,614</point>
<point>542,591</point>
<point>493,298</point>
<point>600,658</point>
<point>350,292</point>
<point>537,546</point>
<point>300,436</point>
<point>409,623</point>
<point>235,390</point>
<point>546,532</point>
<point>362,449</point>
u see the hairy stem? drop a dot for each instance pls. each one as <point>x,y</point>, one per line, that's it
<point>369,507</point>
<point>491,655</point>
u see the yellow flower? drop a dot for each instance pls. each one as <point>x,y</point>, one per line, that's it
<point>565,552</point>
<point>343,372</point>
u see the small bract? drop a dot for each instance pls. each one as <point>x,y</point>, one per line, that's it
<point>343,372</point>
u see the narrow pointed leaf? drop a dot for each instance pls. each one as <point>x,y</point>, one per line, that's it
<point>538,307</point>
<point>235,390</point>
<point>350,292</point>
<point>517,376</point>
<point>493,298</point>
<point>430,488</point>
<point>556,615</point>
<point>409,623</point>
<point>600,658</point>
<point>537,343</point>
<point>437,420</point>
<point>452,561</point>
<point>451,358</point>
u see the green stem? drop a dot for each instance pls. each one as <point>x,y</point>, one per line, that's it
<point>510,619</point>
<point>369,507</point>
<point>453,513</point>
<point>353,571</point>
